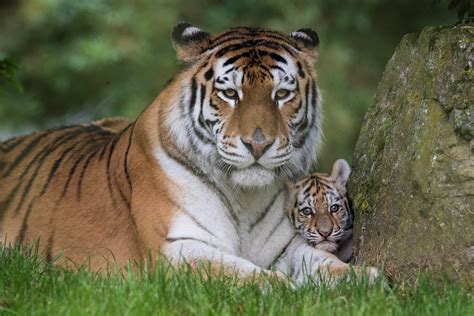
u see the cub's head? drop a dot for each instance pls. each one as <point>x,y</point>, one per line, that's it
<point>251,101</point>
<point>319,208</point>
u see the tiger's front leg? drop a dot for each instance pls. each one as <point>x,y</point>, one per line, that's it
<point>196,252</point>
<point>304,263</point>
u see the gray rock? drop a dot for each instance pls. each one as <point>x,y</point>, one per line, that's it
<point>413,167</point>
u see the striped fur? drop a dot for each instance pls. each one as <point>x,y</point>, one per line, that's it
<point>321,211</point>
<point>199,175</point>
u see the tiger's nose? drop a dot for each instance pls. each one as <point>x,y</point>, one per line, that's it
<point>325,232</point>
<point>258,144</point>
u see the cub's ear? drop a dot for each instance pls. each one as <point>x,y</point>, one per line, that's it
<point>189,41</point>
<point>340,173</point>
<point>306,38</point>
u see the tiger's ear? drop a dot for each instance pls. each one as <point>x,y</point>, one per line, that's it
<point>306,38</point>
<point>189,41</point>
<point>340,174</point>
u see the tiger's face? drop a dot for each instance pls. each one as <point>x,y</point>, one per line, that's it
<point>320,210</point>
<point>253,101</point>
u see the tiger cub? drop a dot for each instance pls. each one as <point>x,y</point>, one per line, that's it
<point>321,212</point>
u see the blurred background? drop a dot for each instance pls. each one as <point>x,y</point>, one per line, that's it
<point>74,61</point>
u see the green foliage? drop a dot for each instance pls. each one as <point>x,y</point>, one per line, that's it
<point>89,59</point>
<point>29,286</point>
<point>8,70</point>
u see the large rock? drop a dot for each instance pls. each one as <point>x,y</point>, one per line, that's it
<point>413,167</point>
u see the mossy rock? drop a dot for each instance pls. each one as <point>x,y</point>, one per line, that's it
<point>413,166</point>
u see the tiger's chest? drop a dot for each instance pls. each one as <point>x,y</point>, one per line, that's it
<point>265,228</point>
<point>245,223</point>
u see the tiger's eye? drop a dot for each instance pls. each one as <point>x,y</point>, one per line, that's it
<point>334,208</point>
<point>306,211</point>
<point>282,93</point>
<point>231,93</point>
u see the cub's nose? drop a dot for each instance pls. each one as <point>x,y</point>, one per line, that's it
<point>325,232</point>
<point>258,144</point>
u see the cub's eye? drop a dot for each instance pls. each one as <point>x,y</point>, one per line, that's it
<point>281,94</point>
<point>231,94</point>
<point>306,211</point>
<point>334,208</point>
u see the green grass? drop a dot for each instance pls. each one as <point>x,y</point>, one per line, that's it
<point>28,286</point>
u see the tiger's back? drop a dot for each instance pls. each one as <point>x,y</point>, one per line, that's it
<point>52,180</point>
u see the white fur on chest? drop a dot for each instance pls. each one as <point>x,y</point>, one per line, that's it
<point>264,227</point>
<point>255,228</point>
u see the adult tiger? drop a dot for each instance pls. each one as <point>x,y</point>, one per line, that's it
<point>200,175</point>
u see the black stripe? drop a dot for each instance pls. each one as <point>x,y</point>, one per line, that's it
<point>192,100</point>
<point>192,104</point>
<point>115,141</point>
<point>197,222</point>
<point>6,203</point>
<point>38,139</point>
<point>24,225</point>
<point>251,36</point>
<point>11,144</point>
<point>305,122</point>
<point>83,171</point>
<point>272,231</point>
<point>45,153</point>
<point>55,167</point>
<point>201,120</point>
<point>300,70</point>
<point>283,251</point>
<point>265,212</point>
<point>103,150</point>
<point>278,58</point>
<point>233,154</point>
<point>299,122</point>
<point>85,150</point>
<point>171,240</point>
<point>182,160</point>
<point>246,44</point>
<point>300,142</point>
<point>123,197</point>
<point>236,58</point>
<point>292,216</point>
<point>208,74</point>
<point>210,123</point>
<point>125,163</point>
<point>277,67</point>
<point>229,70</point>
<point>109,176</point>
<point>71,174</point>
<point>25,152</point>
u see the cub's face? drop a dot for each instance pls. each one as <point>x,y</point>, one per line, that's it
<point>320,209</point>
<point>254,101</point>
